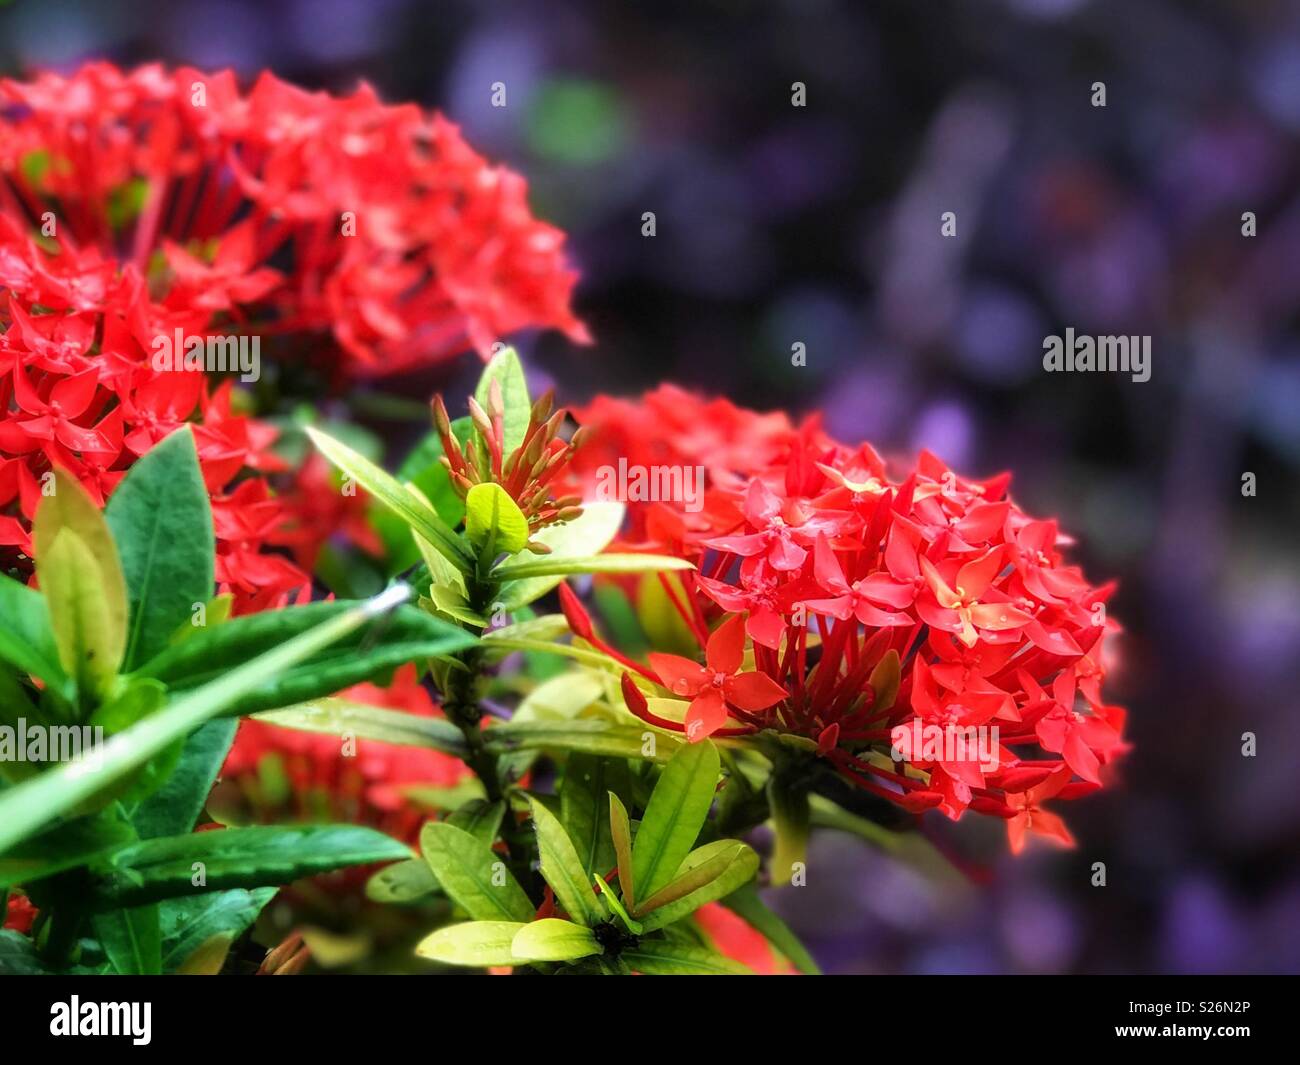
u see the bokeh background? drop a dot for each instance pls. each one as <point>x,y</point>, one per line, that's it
<point>820,225</point>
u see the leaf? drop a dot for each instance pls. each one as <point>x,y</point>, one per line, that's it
<point>584,808</point>
<point>662,958</point>
<point>676,813</point>
<point>551,939</point>
<point>258,856</point>
<point>480,818</point>
<point>563,869</point>
<point>473,875</point>
<point>338,717</point>
<point>26,637</point>
<point>621,833</point>
<point>36,802</point>
<point>18,956</point>
<point>402,882</point>
<point>189,924</point>
<point>477,943</point>
<point>422,518</point>
<point>588,534</point>
<point>746,903</point>
<point>408,634</point>
<point>701,867</point>
<point>505,368</point>
<point>740,869</point>
<point>606,738</point>
<point>83,584</point>
<point>175,807</point>
<point>612,901</point>
<point>161,521</point>
<point>63,847</point>
<point>493,521</point>
<point>549,566</point>
<point>132,939</point>
<point>88,626</point>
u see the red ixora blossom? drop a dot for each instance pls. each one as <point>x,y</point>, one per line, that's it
<point>871,604</point>
<point>286,212</point>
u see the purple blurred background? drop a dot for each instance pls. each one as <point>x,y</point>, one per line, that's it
<point>820,224</point>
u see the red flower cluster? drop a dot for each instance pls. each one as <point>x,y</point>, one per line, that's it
<point>287,212</point>
<point>932,607</point>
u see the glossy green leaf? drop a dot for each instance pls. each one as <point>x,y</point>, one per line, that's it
<point>548,566</point>
<point>132,939</point>
<point>584,807</point>
<point>606,738</point>
<point>477,943</point>
<point>508,372</point>
<point>480,818</point>
<point>27,807</point>
<point>402,882</point>
<point>62,847</point>
<point>551,939</point>
<point>259,856</point>
<point>563,869</point>
<point>174,807</point>
<point>662,958</point>
<point>702,866</point>
<point>26,637</point>
<point>611,899</point>
<point>473,874</point>
<point>621,833</point>
<point>588,534</point>
<point>422,518</point>
<point>493,521</point>
<point>675,814</point>
<point>729,865</point>
<point>339,717</point>
<point>161,521</point>
<point>189,923</point>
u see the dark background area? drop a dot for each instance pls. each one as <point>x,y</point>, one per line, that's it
<point>820,225</point>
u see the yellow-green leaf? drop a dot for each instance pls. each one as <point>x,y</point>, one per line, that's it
<point>476,943</point>
<point>493,521</point>
<point>554,940</point>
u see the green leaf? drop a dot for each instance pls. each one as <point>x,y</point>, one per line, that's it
<point>408,634</point>
<point>190,923</point>
<point>662,958</point>
<point>473,875</point>
<point>258,856</point>
<point>676,813</point>
<point>132,939</point>
<point>505,368</point>
<point>338,717</point>
<point>18,955</point>
<point>87,626</point>
<point>493,521</point>
<point>548,566</point>
<point>702,866</point>
<point>36,802</point>
<point>476,943</point>
<point>26,636</point>
<point>422,518</point>
<point>175,807</point>
<point>402,882</point>
<point>621,833</point>
<point>588,534</point>
<point>584,807</point>
<point>162,524</point>
<point>746,903</point>
<point>480,818</point>
<point>79,572</point>
<point>563,869</point>
<point>727,865</point>
<point>65,846</point>
<point>611,899</point>
<point>551,939</point>
<point>606,738</point>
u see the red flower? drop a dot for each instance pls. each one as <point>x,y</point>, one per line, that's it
<point>712,687</point>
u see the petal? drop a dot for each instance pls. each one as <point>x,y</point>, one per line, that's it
<point>753,691</point>
<point>881,588</point>
<point>998,616</point>
<point>706,714</point>
<point>826,568</point>
<point>785,555</point>
<point>766,627</point>
<point>975,577</point>
<point>726,647</point>
<point>679,675</point>
<point>73,394</point>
